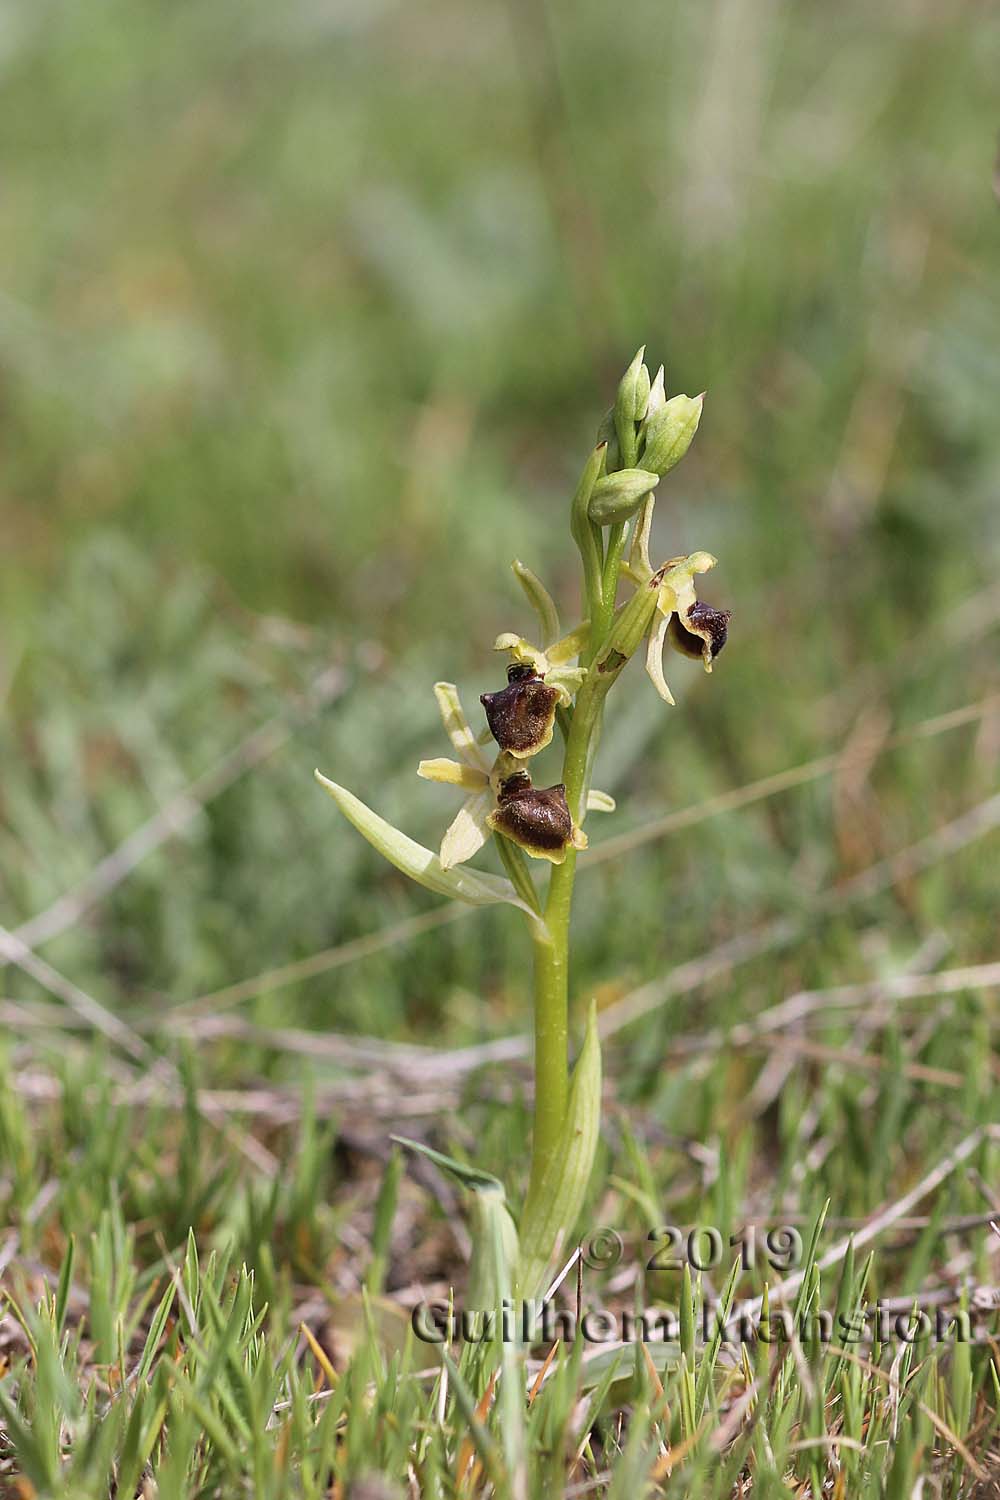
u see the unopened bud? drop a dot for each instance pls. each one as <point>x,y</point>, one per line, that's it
<point>522,714</point>
<point>669,432</point>
<point>618,496</point>
<point>630,406</point>
<point>633,390</point>
<point>657,395</point>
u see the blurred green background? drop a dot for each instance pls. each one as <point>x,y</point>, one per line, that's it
<point>308,316</point>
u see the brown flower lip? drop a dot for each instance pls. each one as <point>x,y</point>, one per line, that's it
<point>534,817</point>
<point>711,630</point>
<point>522,714</point>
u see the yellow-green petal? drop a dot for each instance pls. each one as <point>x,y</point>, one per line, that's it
<point>453,773</point>
<point>468,831</point>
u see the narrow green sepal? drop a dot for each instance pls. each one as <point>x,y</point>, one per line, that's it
<point>475,887</point>
<point>540,600</point>
<point>630,626</point>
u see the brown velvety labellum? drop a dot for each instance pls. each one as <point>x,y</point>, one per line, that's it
<point>712,629</point>
<point>535,817</point>
<point>520,716</point>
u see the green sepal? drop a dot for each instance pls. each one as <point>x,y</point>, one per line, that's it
<point>475,887</point>
<point>627,632</point>
<point>540,600</point>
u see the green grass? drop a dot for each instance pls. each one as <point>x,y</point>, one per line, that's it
<point>309,315</point>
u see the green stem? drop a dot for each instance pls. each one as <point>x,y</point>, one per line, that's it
<point>551,1022</point>
<point>552,946</point>
<point>582,731</point>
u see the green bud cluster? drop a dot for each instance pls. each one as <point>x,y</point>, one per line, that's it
<point>646,435</point>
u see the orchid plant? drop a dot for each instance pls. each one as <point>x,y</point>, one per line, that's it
<point>558,687</point>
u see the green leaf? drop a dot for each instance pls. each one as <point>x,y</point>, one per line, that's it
<point>551,1212</point>
<point>707,1367</point>
<point>473,886</point>
<point>467,1175</point>
<point>494,1249</point>
<point>65,1282</point>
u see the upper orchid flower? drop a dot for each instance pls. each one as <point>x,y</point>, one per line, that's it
<point>693,627</point>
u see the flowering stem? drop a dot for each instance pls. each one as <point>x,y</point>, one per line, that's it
<point>551,1021</point>
<point>552,951</point>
